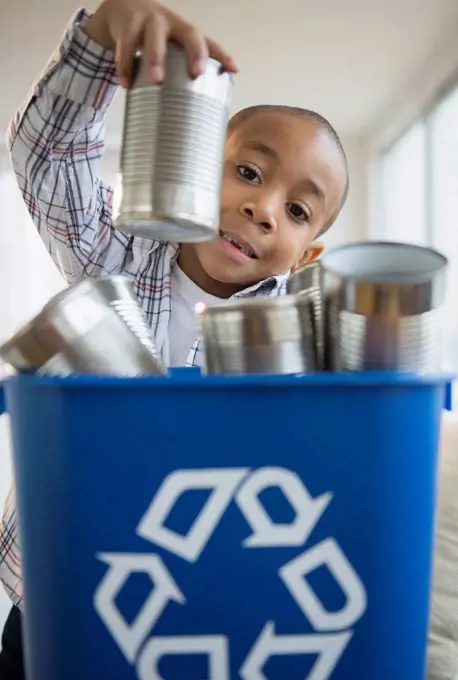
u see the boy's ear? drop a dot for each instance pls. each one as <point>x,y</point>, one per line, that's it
<point>312,252</point>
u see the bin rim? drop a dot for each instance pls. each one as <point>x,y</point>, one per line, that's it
<point>188,377</point>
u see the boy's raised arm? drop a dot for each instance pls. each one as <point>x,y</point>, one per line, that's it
<point>56,141</point>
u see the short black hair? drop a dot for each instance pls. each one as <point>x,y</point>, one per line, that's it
<point>243,115</point>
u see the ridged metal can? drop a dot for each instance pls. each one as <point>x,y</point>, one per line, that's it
<point>92,327</point>
<point>383,307</point>
<point>253,336</point>
<point>307,281</point>
<point>172,155</point>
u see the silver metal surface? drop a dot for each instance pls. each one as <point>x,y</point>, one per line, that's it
<point>383,307</point>
<point>307,280</point>
<point>273,335</point>
<point>172,156</point>
<point>93,327</point>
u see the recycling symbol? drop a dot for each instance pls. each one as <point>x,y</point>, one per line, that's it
<point>332,630</point>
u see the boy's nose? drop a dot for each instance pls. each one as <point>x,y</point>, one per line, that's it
<point>260,215</point>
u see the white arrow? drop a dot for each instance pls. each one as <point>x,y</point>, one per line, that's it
<point>326,554</point>
<point>222,481</point>
<point>129,638</point>
<point>266,533</point>
<point>214,646</point>
<point>328,647</point>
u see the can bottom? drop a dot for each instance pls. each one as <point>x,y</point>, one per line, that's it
<point>162,229</point>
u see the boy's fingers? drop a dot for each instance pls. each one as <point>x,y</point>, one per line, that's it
<point>194,45</point>
<point>152,33</point>
<point>217,52</point>
<point>155,46</point>
<point>126,46</point>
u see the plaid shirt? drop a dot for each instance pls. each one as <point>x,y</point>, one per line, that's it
<point>56,141</point>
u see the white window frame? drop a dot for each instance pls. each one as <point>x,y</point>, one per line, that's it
<point>377,223</point>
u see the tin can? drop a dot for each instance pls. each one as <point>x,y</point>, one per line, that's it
<point>172,156</point>
<point>92,327</point>
<point>383,307</point>
<point>270,335</point>
<point>307,281</point>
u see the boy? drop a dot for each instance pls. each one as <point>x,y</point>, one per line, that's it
<point>285,180</point>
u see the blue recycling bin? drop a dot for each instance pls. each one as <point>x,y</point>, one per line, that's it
<point>212,528</point>
<point>449,396</point>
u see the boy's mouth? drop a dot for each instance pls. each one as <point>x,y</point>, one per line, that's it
<point>239,243</point>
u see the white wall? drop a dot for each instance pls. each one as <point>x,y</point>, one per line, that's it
<point>351,225</point>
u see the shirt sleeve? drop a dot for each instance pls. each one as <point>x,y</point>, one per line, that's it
<point>10,554</point>
<point>56,141</point>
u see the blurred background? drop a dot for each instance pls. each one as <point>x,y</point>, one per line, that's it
<point>384,72</point>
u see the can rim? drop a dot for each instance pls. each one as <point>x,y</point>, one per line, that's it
<point>439,263</point>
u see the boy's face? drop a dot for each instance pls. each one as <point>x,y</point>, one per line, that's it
<point>283,181</point>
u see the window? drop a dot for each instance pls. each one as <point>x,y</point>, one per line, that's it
<point>444,201</point>
<point>404,181</point>
<point>418,189</point>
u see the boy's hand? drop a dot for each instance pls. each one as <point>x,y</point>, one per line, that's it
<point>126,26</point>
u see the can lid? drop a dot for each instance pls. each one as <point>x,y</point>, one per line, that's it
<point>384,262</point>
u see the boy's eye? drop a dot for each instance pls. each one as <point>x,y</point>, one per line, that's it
<point>298,212</point>
<point>250,174</point>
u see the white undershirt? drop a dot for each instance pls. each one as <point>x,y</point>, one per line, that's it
<point>184,325</point>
